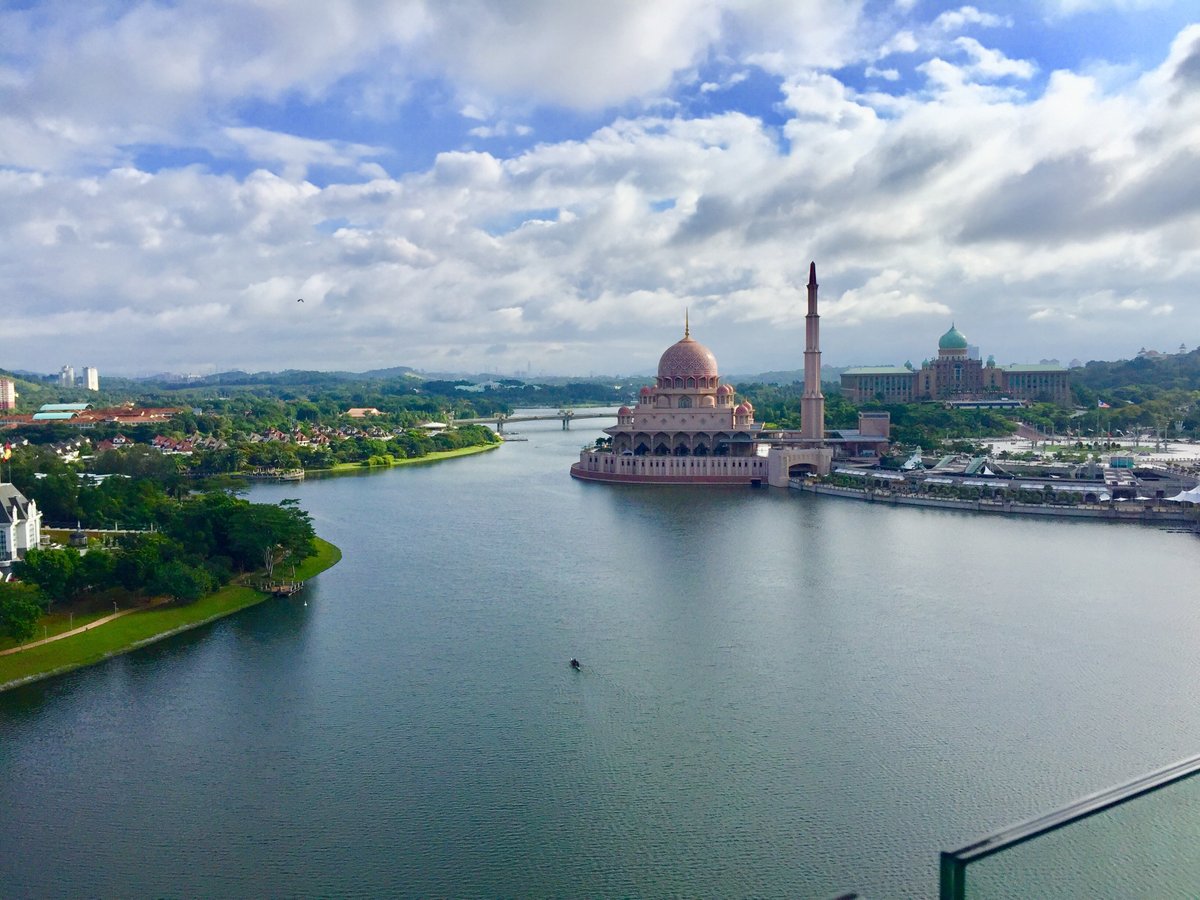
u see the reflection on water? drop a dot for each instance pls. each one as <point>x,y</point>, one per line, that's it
<point>781,696</point>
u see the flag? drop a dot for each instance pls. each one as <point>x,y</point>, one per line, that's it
<point>6,454</point>
<point>1100,404</point>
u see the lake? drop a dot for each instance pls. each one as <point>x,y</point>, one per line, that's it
<point>782,695</point>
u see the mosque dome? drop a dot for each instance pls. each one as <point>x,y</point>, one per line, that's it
<point>724,390</point>
<point>646,390</point>
<point>687,358</point>
<point>953,340</point>
<point>624,411</point>
<point>742,408</point>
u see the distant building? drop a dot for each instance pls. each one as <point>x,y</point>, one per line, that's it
<point>361,412</point>
<point>955,376</point>
<point>20,525</point>
<point>8,394</point>
<point>59,412</point>
<point>66,376</point>
<point>91,378</point>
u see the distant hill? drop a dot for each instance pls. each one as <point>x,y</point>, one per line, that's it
<point>286,378</point>
<point>787,376</point>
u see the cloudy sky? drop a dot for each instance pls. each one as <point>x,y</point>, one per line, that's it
<point>471,185</point>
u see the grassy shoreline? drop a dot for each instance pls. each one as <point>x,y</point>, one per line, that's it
<point>144,627</point>
<point>435,456</point>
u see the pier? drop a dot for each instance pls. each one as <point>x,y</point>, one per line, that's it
<point>281,588</point>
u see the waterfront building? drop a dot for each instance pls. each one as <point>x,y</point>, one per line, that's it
<point>8,394</point>
<point>91,378</point>
<point>66,376</point>
<point>20,525</point>
<point>689,427</point>
<point>954,375</point>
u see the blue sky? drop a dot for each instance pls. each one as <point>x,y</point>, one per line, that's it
<point>479,186</point>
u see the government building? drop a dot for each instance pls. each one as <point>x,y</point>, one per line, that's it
<point>955,376</point>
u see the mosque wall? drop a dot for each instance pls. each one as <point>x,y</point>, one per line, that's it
<point>601,465</point>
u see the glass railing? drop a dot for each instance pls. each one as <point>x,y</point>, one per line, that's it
<point>1140,839</point>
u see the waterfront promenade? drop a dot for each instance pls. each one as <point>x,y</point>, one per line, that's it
<point>1134,511</point>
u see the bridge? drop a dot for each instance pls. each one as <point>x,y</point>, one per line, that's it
<point>563,415</point>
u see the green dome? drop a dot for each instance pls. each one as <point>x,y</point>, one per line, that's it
<point>953,340</point>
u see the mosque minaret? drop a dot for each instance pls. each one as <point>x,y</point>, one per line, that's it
<point>812,403</point>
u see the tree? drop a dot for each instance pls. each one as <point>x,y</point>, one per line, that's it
<point>96,571</point>
<point>20,609</point>
<point>51,571</point>
<point>258,534</point>
<point>141,556</point>
<point>180,581</point>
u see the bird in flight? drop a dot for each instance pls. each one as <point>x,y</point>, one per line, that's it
<point>301,300</point>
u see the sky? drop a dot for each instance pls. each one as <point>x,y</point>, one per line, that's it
<point>546,187</point>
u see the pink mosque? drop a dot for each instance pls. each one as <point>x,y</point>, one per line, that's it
<point>689,428</point>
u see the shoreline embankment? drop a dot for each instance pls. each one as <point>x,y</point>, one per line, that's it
<point>1134,512</point>
<point>145,626</point>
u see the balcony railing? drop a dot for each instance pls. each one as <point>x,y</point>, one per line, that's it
<point>1133,840</point>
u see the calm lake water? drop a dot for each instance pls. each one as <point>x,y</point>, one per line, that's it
<point>781,696</point>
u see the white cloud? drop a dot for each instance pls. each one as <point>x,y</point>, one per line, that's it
<point>957,19</point>
<point>296,155</point>
<point>885,74</point>
<point>988,63</point>
<point>901,42</point>
<point>500,129</point>
<point>964,196</point>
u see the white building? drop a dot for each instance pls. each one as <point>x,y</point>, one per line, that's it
<point>66,376</point>
<point>20,524</point>
<point>8,394</point>
<point>91,378</point>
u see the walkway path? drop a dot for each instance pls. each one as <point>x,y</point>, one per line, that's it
<point>80,630</point>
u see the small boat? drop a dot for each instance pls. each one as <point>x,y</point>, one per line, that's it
<point>575,664</point>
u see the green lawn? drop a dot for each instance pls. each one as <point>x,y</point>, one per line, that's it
<point>428,457</point>
<point>140,628</point>
<point>58,622</point>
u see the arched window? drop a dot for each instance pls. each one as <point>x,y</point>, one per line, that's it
<point>691,382</point>
<point>685,402</point>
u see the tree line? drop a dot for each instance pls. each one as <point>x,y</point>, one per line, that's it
<point>198,543</point>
